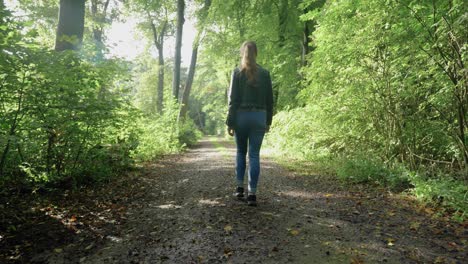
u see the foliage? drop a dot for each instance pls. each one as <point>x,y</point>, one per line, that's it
<point>442,191</point>
<point>231,23</point>
<point>287,134</point>
<point>208,104</point>
<point>158,133</point>
<point>41,16</point>
<point>383,96</point>
<point>362,169</point>
<point>162,134</point>
<point>76,126</point>
<point>56,126</point>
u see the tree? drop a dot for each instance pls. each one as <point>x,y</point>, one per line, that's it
<point>310,9</point>
<point>71,25</point>
<point>159,33</point>
<point>157,24</point>
<point>101,15</point>
<point>188,84</point>
<point>178,46</point>
<point>446,36</point>
<point>193,60</point>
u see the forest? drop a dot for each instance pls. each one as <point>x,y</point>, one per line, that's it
<point>371,92</point>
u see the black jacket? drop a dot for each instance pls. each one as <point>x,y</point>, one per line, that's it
<point>245,95</point>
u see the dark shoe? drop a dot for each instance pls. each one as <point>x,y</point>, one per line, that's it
<point>239,193</point>
<point>251,200</point>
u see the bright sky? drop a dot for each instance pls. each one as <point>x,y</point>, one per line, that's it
<point>124,41</point>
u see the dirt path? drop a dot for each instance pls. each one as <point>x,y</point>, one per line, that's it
<point>187,215</point>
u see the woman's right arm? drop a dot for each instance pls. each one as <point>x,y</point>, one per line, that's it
<point>234,99</point>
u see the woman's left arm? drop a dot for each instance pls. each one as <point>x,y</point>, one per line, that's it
<point>234,100</point>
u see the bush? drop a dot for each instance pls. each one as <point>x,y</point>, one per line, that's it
<point>361,169</point>
<point>295,133</point>
<point>189,134</point>
<point>62,117</point>
<point>69,119</point>
<point>442,191</point>
<point>157,136</point>
<point>163,134</point>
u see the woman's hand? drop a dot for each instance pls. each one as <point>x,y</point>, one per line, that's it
<point>230,131</point>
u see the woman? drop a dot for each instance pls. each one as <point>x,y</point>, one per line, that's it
<point>249,117</point>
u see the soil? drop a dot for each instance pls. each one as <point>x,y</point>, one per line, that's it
<point>180,209</point>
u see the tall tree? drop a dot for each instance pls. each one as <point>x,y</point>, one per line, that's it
<point>159,33</point>
<point>71,25</point>
<point>189,82</point>
<point>178,46</point>
<point>283,13</point>
<point>309,26</point>
<point>157,25</point>
<point>98,15</point>
<point>193,60</point>
<point>445,44</point>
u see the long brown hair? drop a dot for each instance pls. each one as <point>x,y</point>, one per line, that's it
<point>248,63</point>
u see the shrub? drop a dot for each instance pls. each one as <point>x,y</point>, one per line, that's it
<point>442,191</point>
<point>62,117</point>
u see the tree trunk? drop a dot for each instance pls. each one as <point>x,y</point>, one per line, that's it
<point>177,56</point>
<point>98,28</point>
<point>241,19</point>
<point>309,28</point>
<point>159,43</point>
<point>283,10</point>
<point>188,84</point>
<point>305,44</point>
<point>160,100</point>
<point>71,25</point>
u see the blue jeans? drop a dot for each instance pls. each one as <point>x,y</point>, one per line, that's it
<point>249,131</point>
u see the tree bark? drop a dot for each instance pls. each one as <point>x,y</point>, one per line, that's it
<point>177,56</point>
<point>283,10</point>
<point>305,44</point>
<point>98,28</point>
<point>160,100</point>
<point>309,28</point>
<point>71,25</point>
<point>158,39</point>
<point>188,84</point>
<point>241,19</point>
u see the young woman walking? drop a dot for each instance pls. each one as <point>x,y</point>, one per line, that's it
<point>249,117</point>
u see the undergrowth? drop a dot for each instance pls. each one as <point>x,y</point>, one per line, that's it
<point>304,147</point>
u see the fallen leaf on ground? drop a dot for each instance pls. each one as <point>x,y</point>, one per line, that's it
<point>228,228</point>
<point>415,225</point>
<point>227,252</point>
<point>294,232</point>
